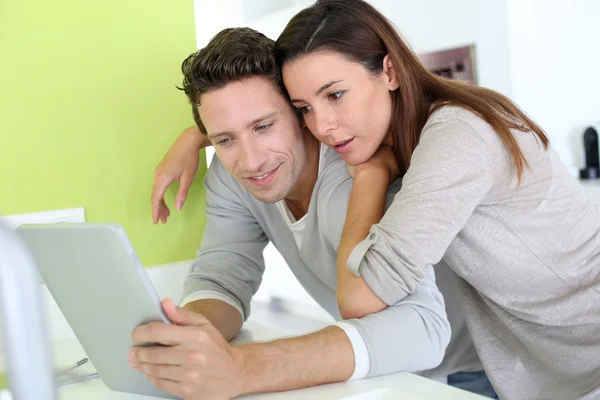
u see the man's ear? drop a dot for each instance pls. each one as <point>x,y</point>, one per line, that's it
<point>389,72</point>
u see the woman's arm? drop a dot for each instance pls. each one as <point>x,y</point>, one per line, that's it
<point>179,164</point>
<point>450,174</point>
<point>366,207</point>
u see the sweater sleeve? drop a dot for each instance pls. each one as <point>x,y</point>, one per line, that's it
<point>449,175</point>
<point>229,265</point>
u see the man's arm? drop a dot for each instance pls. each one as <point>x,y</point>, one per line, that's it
<point>223,316</point>
<point>409,336</point>
<point>321,357</point>
<point>198,361</point>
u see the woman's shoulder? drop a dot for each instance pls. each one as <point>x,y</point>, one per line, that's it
<point>448,114</point>
<point>452,120</point>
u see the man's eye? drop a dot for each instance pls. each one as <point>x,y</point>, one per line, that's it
<point>223,141</point>
<point>264,127</point>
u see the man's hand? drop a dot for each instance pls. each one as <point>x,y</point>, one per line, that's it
<point>180,164</point>
<point>198,364</point>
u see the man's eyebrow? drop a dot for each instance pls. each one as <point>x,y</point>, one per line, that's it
<point>262,118</point>
<point>212,136</point>
<point>318,92</point>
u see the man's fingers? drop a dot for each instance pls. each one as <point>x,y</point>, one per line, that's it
<point>167,385</point>
<point>159,355</point>
<point>182,316</point>
<point>158,332</point>
<point>170,372</point>
<point>172,311</point>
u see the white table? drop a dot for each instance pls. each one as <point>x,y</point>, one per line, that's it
<point>401,386</point>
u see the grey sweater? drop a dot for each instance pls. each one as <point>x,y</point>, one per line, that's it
<point>528,258</point>
<point>411,335</point>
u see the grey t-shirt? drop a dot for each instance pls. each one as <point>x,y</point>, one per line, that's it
<point>528,257</point>
<point>410,335</point>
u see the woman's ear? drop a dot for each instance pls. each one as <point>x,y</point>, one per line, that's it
<point>389,72</point>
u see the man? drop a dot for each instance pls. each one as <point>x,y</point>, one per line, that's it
<point>274,182</point>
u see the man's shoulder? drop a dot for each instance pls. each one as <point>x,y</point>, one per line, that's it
<point>333,172</point>
<point>217,172</point>
<point>333,186</point>
<point>330,158</point>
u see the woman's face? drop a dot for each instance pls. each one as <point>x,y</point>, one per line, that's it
<point>344,105</point>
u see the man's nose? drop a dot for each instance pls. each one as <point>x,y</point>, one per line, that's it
<point>251,157</point>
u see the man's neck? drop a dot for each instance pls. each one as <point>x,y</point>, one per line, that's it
<point>299,197</point>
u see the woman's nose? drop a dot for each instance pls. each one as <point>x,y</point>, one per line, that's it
<point>325,123</point>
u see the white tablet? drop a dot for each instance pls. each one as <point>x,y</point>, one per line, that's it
<point>103,291</point>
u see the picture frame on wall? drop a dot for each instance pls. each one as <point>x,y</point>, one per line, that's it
<point>457,63</point>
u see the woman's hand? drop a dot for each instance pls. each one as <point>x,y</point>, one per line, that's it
<point>180,164</point>
<point>383,160</point>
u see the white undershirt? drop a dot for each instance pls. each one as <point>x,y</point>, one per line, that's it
<point>297,226</point>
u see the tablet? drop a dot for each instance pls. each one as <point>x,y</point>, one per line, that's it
<point>102,289</point>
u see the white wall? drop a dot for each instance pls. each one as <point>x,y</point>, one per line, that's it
<point>555,57</point>
<point>213,16</point>
<point>492,50</point>
<point>414,19</point>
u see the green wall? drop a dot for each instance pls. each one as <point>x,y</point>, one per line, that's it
<point>88,107</point>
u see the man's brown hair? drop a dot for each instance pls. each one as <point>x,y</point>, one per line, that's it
<point>234,54</point>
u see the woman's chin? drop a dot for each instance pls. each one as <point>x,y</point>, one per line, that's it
<point>355,159</point>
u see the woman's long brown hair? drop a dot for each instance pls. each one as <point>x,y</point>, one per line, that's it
<point>359,32</point>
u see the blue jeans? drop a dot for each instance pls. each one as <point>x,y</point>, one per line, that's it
<point>475,382</point>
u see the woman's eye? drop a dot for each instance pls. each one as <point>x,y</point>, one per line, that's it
<point>304,109</point>
<point>336,95</point>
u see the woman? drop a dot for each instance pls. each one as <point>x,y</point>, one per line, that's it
<point>482,189</point>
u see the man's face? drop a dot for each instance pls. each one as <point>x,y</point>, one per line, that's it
<point>256,136</point>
